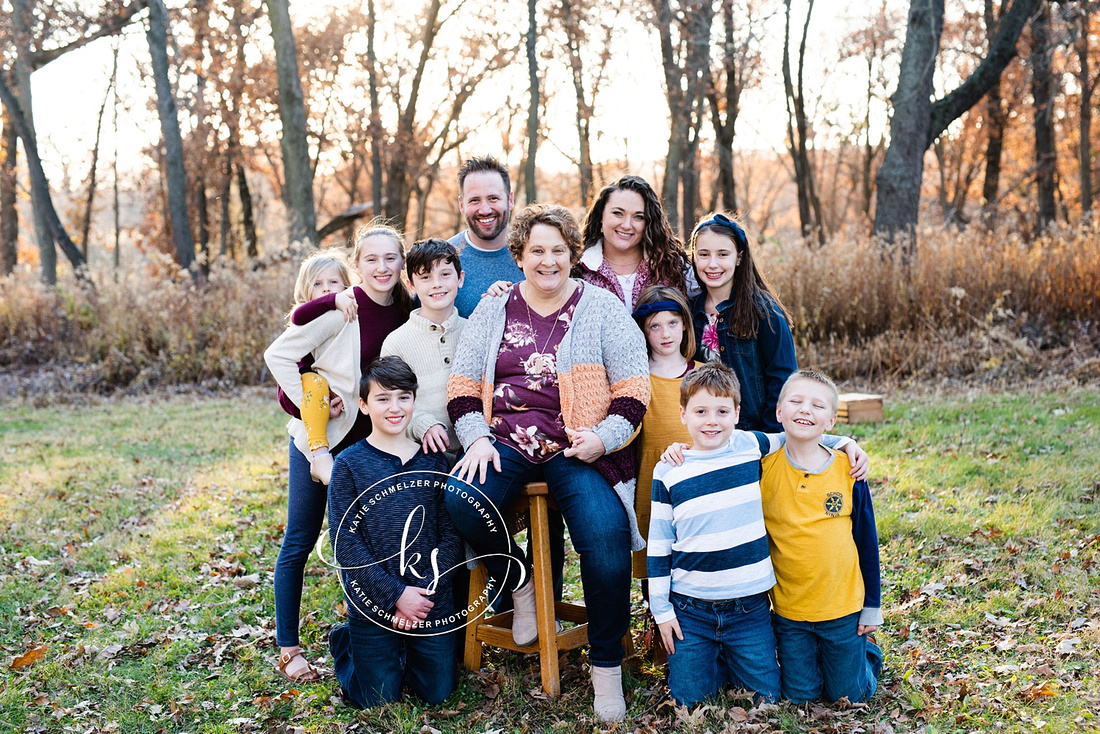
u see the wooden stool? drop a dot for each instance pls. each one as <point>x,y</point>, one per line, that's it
<point>497,630</point>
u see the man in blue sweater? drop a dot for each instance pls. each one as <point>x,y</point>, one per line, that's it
<point>485,200</point>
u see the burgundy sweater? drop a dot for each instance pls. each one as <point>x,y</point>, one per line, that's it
<point>375,324</point>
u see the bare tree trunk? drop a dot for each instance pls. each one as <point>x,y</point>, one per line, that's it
<point>868,150</point>
<point>401,164</point>
<point>533,112</point>
<point>114,179</point>
<point>225,244</point>
<point>376,132</point>
<point>40,187</point>
<point>203,222</point>
<point>724,129</point>
<point>86,229</point>
<point>809,206</point>
<point>899,178</point>
<point>247,219</point>
<point>994,122</point>
<point>1084,121</point>
<point>24,65</point>
<point>1042,88</point>
<point>293,141</point>
<point>170,131</point>
<point>916,122</point>
<point>9,215</point>
<point>995,128</point>
<point>689,176</point>
<point>684,77</point>
<point>584,109</point>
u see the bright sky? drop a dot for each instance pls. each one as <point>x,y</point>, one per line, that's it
<point>632,117</point>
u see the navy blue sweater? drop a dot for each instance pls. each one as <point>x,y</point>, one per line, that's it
<point>379,507</point>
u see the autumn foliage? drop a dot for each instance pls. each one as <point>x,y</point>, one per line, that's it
<point>965,304</point>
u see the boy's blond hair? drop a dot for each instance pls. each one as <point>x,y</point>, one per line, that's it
<point>813,376</point>
<point>313,265</point>
<point>714,377</point>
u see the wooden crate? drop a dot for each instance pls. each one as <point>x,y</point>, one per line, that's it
<point>856,407</point>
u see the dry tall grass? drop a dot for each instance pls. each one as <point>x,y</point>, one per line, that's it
<point>967,303</point>
<point>154,326</point>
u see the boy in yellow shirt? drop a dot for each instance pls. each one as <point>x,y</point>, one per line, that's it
<point>824,549</point>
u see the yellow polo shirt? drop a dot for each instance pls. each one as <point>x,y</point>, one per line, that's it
<point>808,517</point>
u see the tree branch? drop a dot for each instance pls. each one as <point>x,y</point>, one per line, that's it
<point>39,183</point>
<point>120,21</point>
<point>1001,51</point>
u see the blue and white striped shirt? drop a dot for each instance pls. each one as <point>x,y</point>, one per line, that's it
<point>706,533</point>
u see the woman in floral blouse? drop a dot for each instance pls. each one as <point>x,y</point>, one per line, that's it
<point>549,383</point>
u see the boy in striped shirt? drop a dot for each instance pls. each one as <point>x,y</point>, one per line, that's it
<point>708,561</point>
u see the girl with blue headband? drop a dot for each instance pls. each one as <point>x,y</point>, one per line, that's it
<point>664,317</point>
<point>739,320</point>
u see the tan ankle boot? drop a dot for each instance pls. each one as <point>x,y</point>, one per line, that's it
<point>525,626</point>
<point>609,702</point>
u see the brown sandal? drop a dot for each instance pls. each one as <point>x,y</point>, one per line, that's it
<point>307,676</point>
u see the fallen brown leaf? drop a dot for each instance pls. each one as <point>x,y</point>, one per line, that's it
<point>30,657</point>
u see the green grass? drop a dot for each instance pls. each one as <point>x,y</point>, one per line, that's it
<point>129,531</point>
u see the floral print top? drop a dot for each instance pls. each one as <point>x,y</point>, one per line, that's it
<point>526,400</point>
<point>710,339</point>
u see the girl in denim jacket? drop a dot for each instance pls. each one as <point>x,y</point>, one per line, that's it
<point>739,320</point>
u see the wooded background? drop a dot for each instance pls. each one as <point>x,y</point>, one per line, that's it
<point>361,109</point>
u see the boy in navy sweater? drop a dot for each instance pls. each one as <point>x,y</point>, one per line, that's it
<point>393,540</point>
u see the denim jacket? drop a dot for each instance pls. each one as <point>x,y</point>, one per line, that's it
<point>762,364</point>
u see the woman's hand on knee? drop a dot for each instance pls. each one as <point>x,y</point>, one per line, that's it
<point>475,461</point>
<point>585,445</point>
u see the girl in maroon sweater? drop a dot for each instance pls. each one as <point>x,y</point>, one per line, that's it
<point>382,304</point>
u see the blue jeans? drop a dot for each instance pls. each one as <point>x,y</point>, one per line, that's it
<point>724,641</point>
<point>826,659</point>
<point>597,525</point>
<point>305,512</point>
<point>373,663</point>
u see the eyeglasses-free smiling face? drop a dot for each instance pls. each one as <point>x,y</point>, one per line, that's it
<point>486,204</point>
<point>380,262</point>
<point>710,420</point>
<point>806,409</point>
<point>390,411</point>
<point>716,259</point>
<point>623,221</point>
<point>437,288</point>
<point>546,261</point>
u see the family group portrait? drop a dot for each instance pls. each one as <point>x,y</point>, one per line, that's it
<point>688,366</point>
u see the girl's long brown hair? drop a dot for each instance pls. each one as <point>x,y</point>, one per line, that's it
<point>662,250</point>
